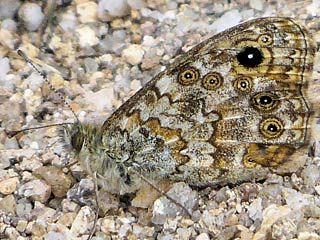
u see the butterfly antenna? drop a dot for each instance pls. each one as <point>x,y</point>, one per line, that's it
<point>11,134</point>
<point>45,78</point>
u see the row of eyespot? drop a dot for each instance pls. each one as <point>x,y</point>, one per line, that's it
<point>270,128</point>
<point>212,80</point>
<point>265,101</point>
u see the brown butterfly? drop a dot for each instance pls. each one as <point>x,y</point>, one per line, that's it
<point>231,109</point>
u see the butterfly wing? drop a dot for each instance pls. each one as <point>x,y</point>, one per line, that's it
<point>223,112</point>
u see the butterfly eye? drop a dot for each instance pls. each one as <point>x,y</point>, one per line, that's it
<point>250,57</point>
<point>265,40</point>
<point>243,84</point>
<point>188,76</point>
<point>265,101</point>
<point>212,81</point>
<point>271,128</point>
<point>77,139</point>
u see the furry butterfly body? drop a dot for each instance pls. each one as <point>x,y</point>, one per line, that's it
<point>231,109</point>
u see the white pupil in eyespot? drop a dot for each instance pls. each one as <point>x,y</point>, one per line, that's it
<point>272,128</point>
<point>250,56</point>
<point>243,84</point>
<point>188,75</point>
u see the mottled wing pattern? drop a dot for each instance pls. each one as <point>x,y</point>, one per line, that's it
<point>223,112</point>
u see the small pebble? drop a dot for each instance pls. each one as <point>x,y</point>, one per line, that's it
<point>81,223</point>
<point>8,186</point>
<point>9,25</point>
<point>99,100</point>
<point>8,8</point>
<point>59,182</point>
<point>108,226</point>
<point>112,8</point>
<point>136,4</point>
<point>8,204</point>
<point>54,236</point>
<point>308,236</point>
<point>32,16</point>
<point>87,37</point>
<point>255,210</point>
<point>203,236</point>
<point>68,21</point>
<point>227,20</point>
<point>36,190</point>
<point>87,12</point>
<point>4,67</point>
<point>133,54</point>
<point>165,208</point>
<point>256,4</point>
<point>124,230</point>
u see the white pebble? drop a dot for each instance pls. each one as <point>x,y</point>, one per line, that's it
<point>9,24</point>
<point>81,222</point>
<point>32,16</point>
<point>99,99</point>
<point>34,145</point>
<point>29,118</point>
<point>227,20</point>
<point>317,188</point>
<point>296,200</point>
<point>114,8</point>
<point>136,4</point>
<point>133,54</point>
<point>255,209</point>
<point>87,12</point>
<point>4,67</point>
<point>68,22</point>
<point>8,8</point>
<point>87,36</point>
<point>203,236</point>
<point>108,226</point>
<point>34,81</point>
<point>256,4</point>
<point>149,41</point>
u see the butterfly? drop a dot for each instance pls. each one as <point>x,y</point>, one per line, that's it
<point>232,109</point>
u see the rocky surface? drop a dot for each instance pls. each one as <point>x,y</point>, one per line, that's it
<point>98,54</point>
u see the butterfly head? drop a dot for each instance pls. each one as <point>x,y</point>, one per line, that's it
<point>73,137</point>
<point>79,136</point>
<point>76,137</point>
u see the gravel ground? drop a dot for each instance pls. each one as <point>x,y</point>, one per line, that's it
<point>103,53</point>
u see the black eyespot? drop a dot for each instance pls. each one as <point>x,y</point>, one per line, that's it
<point>265,101</point>
<point>188,76</point>
<point>271,128</point>
<point>250,160</point>
<point>250,57</point>
<point>212,81</point>
<point>243,84</point>
<point>265,40</point>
